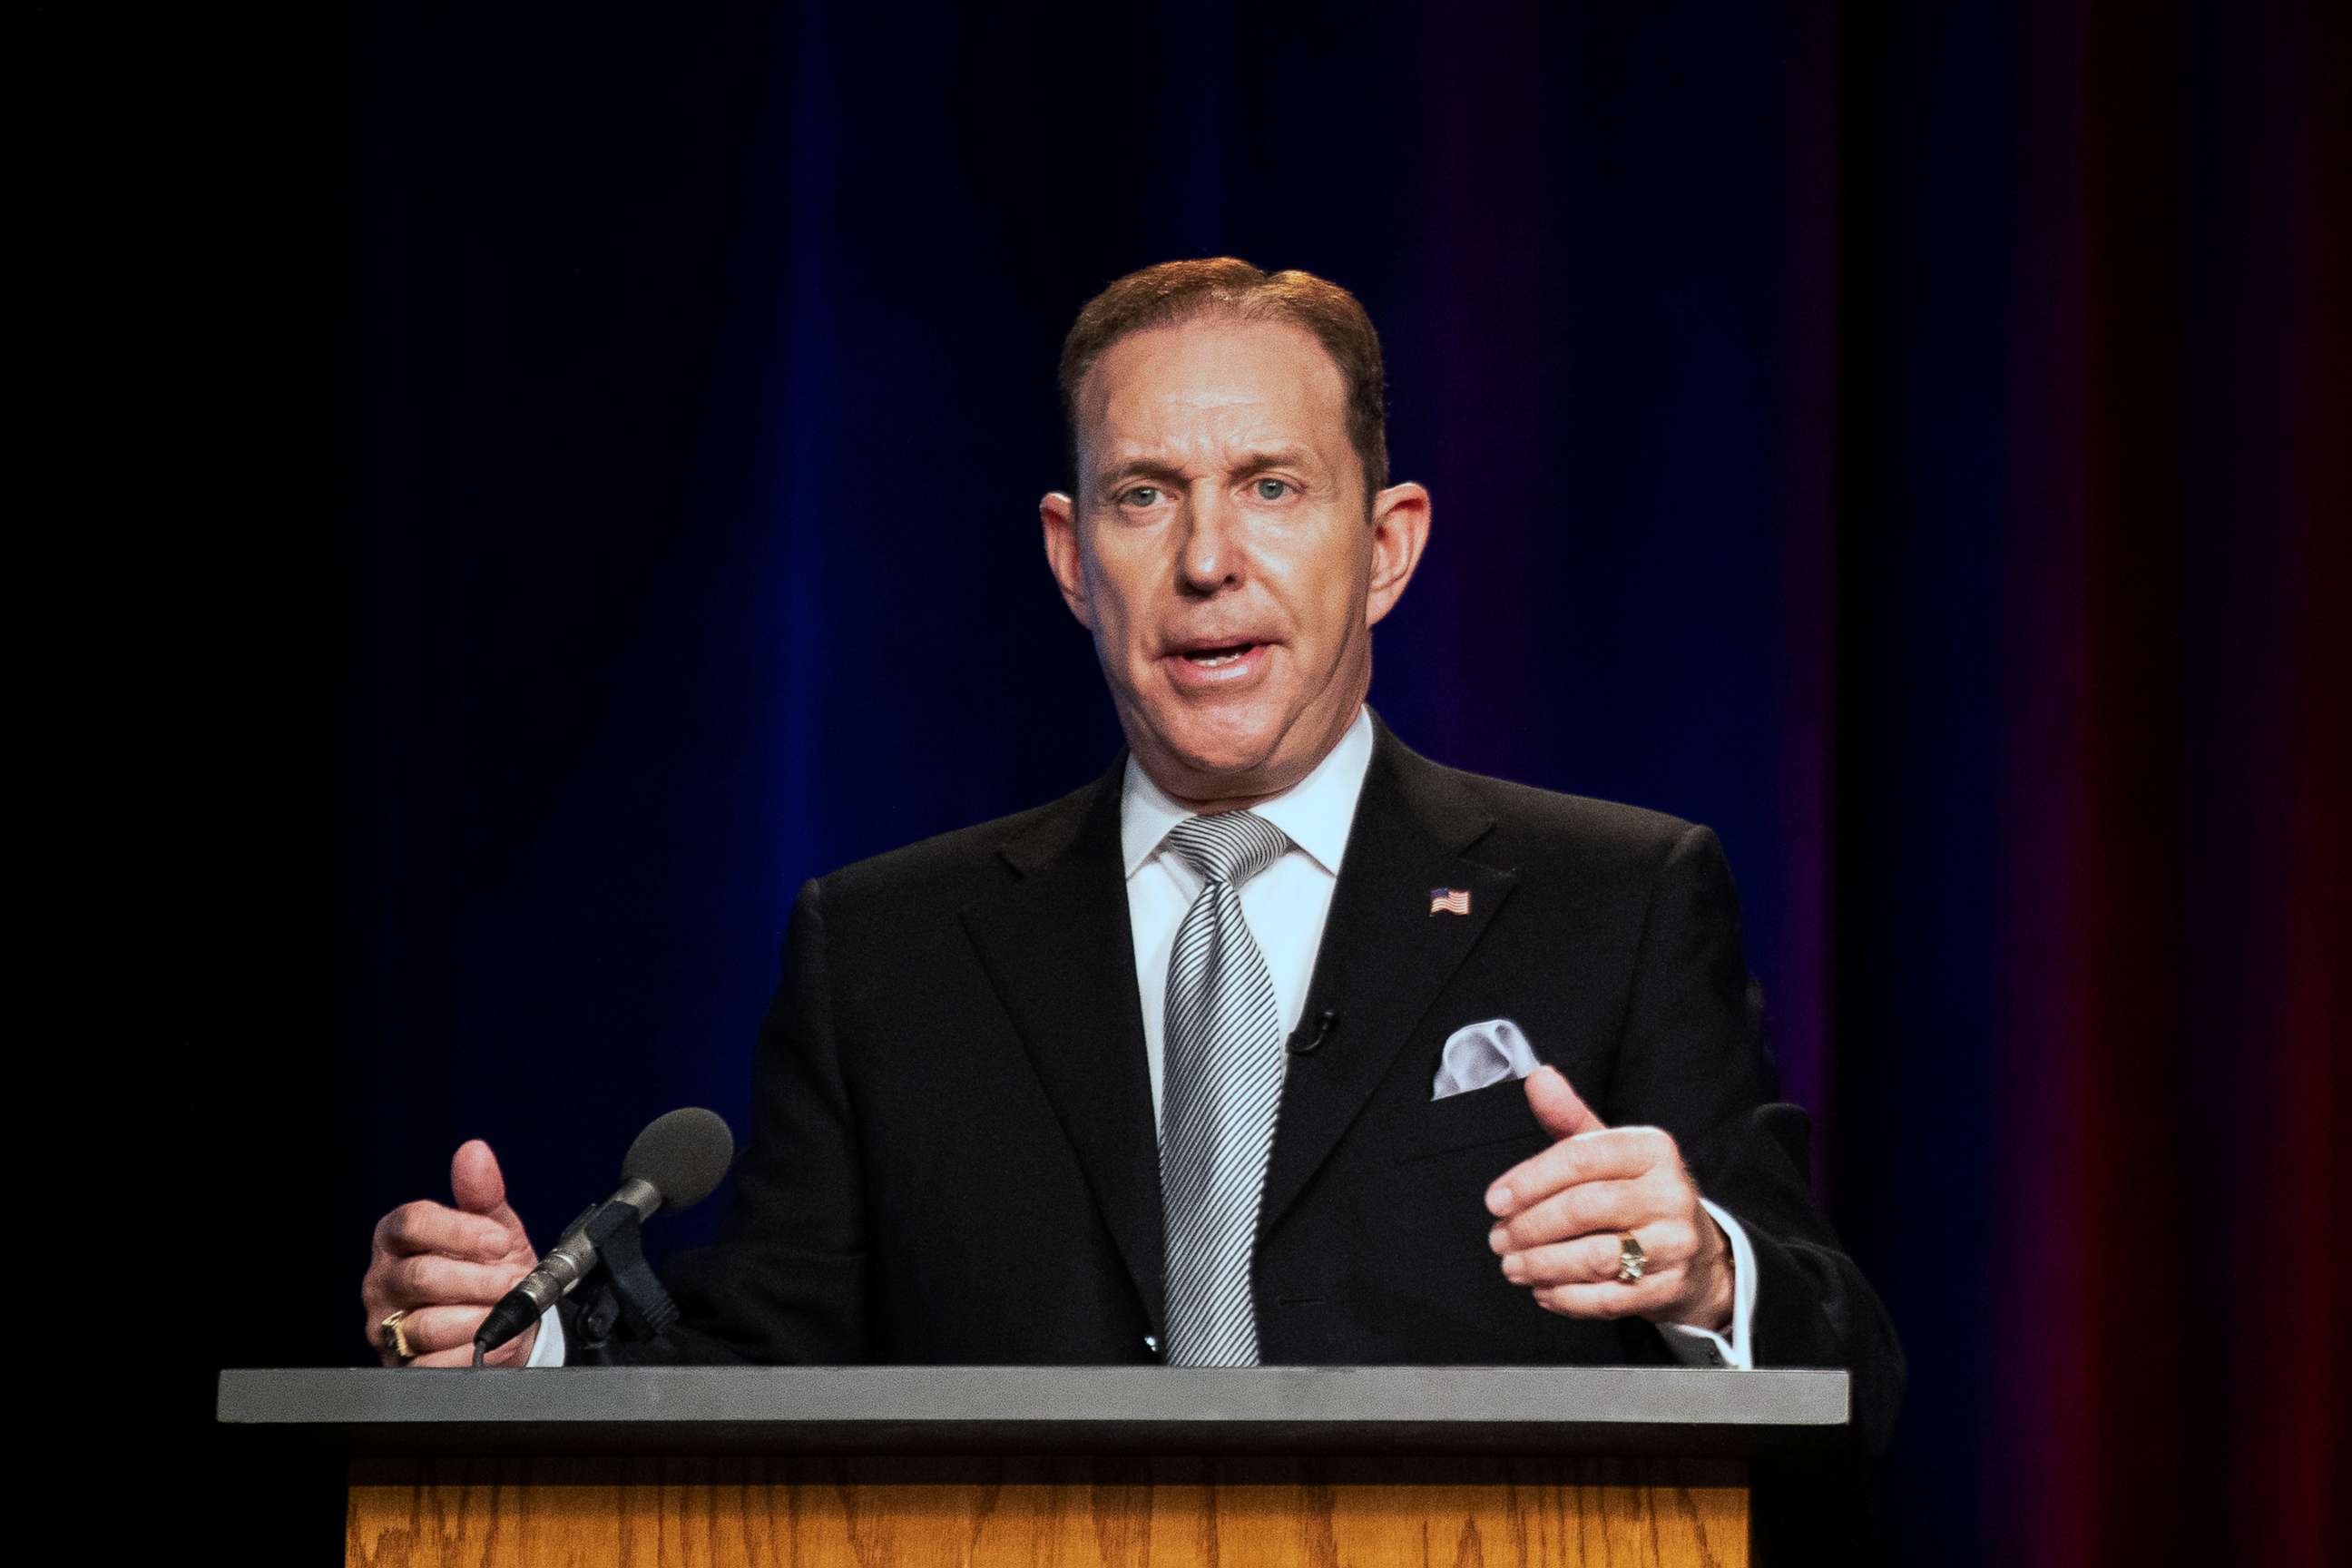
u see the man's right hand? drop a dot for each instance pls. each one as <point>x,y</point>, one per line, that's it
<point>446,1268</point>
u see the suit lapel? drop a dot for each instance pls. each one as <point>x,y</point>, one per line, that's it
<point>1056,945</point>
<point>1384,955</point>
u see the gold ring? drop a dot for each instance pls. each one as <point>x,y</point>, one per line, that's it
<point>393,1338</point>
<point>1631,1259</point>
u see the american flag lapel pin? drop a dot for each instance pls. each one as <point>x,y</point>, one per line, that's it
<point>1453,901</point>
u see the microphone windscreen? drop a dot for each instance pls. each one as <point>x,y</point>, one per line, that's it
<point>684,1153</point>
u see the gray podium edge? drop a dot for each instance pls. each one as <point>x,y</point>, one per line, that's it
<point>1044,1410</point>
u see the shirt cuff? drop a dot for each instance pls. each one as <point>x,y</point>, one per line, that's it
<point>1695,1346</point>
<point>548,1349</point>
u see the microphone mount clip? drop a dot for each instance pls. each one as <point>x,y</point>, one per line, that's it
<point>629,1290</point>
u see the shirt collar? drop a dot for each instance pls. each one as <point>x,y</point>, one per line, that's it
<point>1315,813</point>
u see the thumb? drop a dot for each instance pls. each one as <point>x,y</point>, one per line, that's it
<point>476,1184</point>
<point>1559,1107</point>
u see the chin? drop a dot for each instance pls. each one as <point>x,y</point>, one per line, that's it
<point>1225,750</point>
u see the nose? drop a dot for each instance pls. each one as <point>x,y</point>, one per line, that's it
<point>1209,555</point>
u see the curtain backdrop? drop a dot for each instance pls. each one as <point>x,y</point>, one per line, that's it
<point>1908,439</point>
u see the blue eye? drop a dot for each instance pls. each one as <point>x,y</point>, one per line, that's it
<point>1272,490</point>
<point>1143,495</point>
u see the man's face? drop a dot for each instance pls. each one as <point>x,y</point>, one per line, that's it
<point>1221,552</point>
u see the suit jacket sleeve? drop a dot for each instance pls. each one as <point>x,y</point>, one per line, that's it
<point>786,1281</point>
<point>1692,1059</point>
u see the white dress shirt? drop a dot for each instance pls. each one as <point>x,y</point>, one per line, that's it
<point>1285,906</point>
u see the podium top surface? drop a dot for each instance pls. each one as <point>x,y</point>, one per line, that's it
<point>1042,1410</point>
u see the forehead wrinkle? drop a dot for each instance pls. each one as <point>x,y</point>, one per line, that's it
<point>1202,443</point>
<point>1229,431</point>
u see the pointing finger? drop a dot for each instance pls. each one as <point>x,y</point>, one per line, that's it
<point>433,1227</point>
<point>1611,1154</point>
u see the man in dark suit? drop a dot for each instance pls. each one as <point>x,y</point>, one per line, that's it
<point>1224,1059</point>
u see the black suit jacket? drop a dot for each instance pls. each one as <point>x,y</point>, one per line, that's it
<point>953,1157</point>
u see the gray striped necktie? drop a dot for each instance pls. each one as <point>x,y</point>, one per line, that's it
<point>1222,1085</point>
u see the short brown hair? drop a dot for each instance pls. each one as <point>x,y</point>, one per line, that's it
<point>1177,291</point>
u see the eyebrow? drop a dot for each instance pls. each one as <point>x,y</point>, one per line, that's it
<point>1272,458</point>
<point>1151,469</point>
<point>1118,479</point>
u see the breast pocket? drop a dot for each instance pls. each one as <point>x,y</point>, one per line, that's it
<point>1498,1113</point>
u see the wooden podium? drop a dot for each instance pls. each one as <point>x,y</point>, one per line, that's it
<point>1135,1467</point>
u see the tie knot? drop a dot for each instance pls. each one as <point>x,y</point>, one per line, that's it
<point>1230,847</point>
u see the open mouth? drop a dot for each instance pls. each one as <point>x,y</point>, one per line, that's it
<point>1217,655</point>
<point>1227,665</point>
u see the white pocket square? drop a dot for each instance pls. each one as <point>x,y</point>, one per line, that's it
<point>1477,1055</point>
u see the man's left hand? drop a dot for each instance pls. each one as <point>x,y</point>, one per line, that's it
<point>1561,1217</point>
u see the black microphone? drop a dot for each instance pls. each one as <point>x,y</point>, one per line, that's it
<point>1302,1043</point>
<point>673,1166</point>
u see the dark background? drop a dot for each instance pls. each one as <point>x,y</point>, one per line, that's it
<point>601,448</point>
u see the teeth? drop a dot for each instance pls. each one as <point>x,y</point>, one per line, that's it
<point>1210,660</point>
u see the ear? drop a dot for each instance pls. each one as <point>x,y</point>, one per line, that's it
<point>1059,515</point>
<point>1400,530</point>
